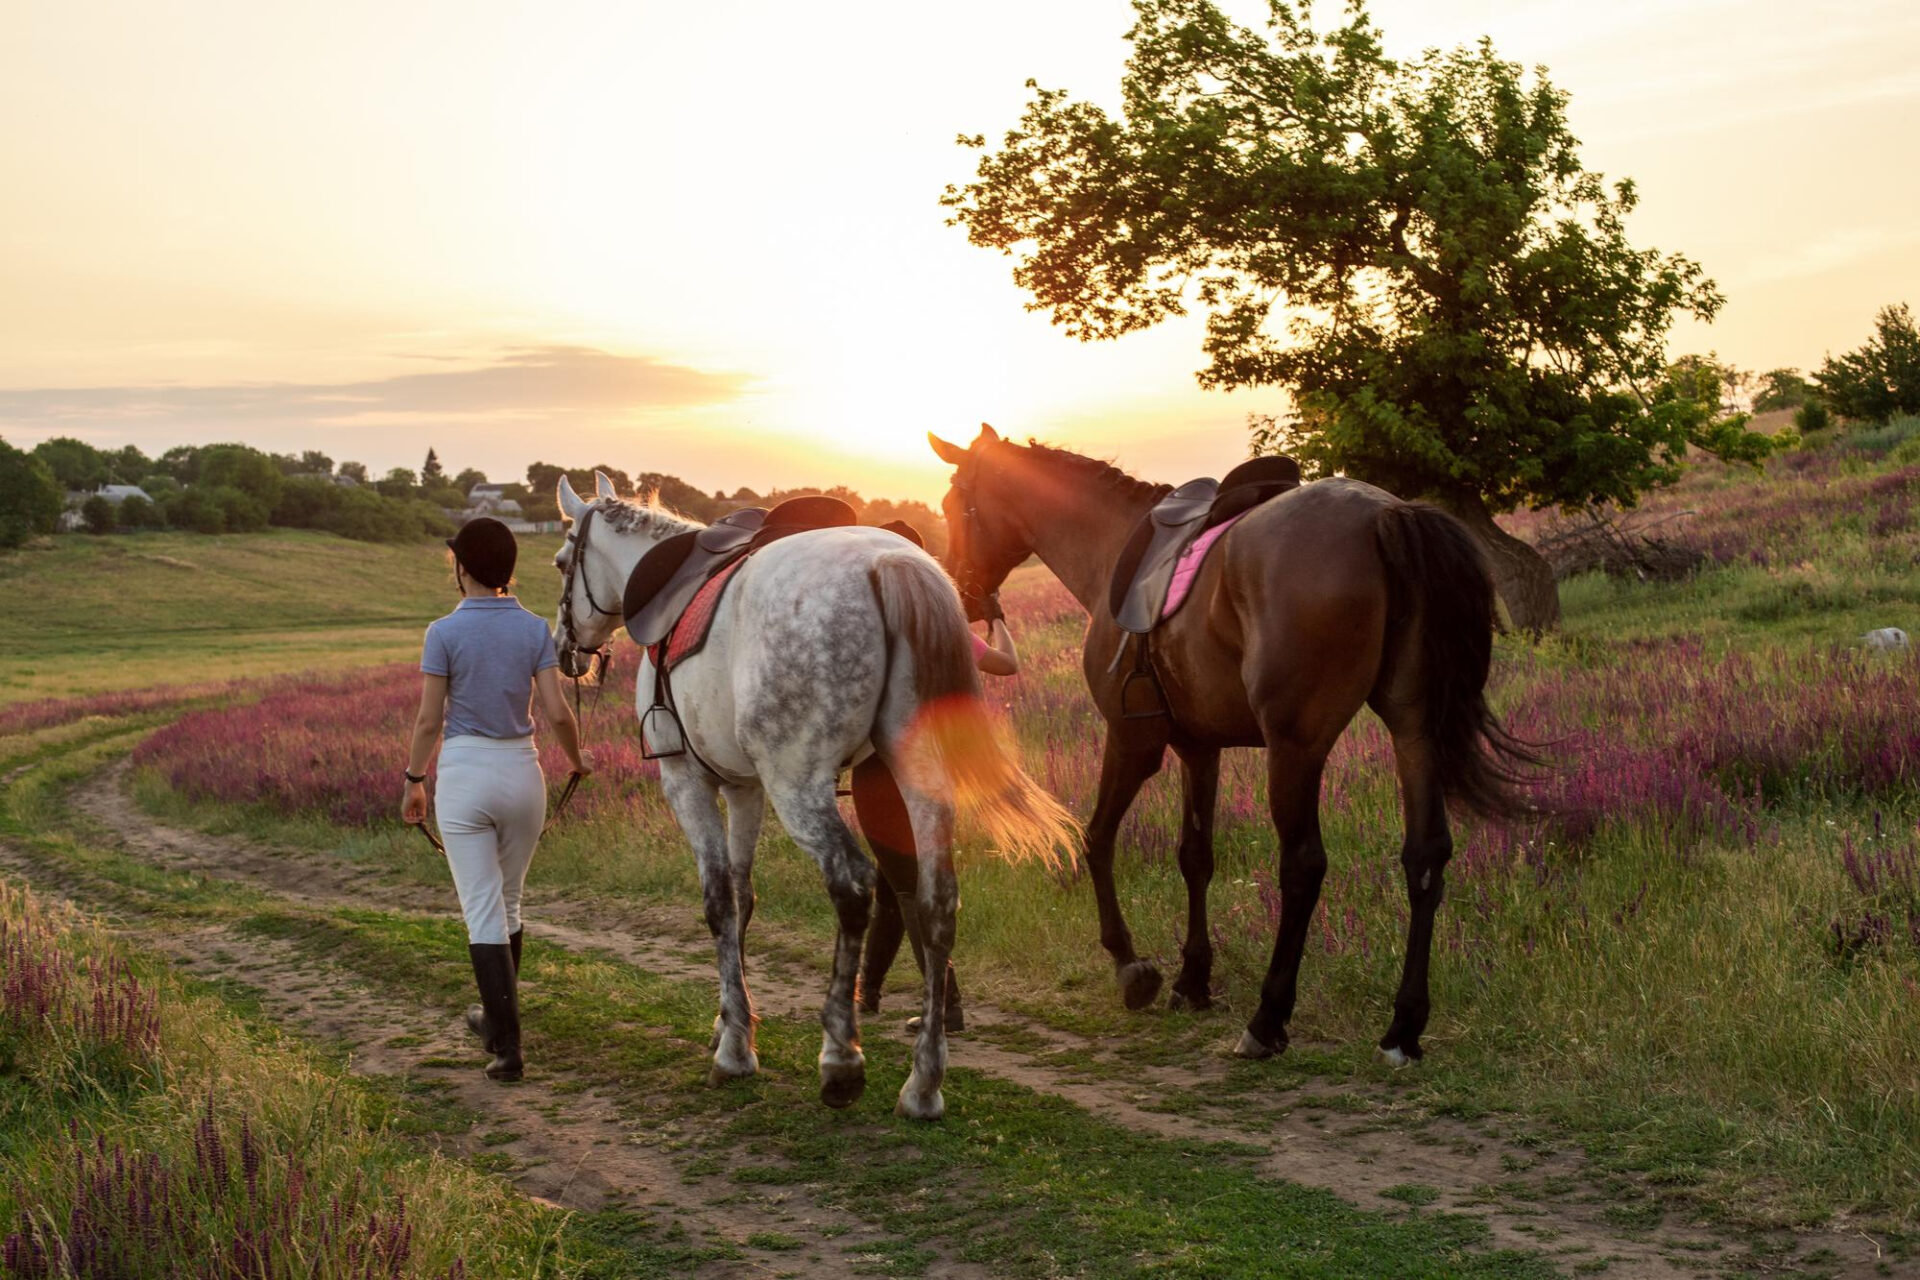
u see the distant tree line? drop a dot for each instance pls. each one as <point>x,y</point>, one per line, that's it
<point>235,488</point>
<point>1875,382</point>
<point>695,503</point>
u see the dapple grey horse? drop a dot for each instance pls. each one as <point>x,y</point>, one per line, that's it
<point>826,646</point>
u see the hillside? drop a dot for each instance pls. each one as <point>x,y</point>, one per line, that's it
<point>85,614</point>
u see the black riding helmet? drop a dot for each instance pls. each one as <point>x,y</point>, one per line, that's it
<point>486,549</point>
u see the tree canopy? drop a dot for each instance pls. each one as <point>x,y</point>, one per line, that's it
<point>1413,249</point>
<point>1881,378</point>
<point>30,497</point>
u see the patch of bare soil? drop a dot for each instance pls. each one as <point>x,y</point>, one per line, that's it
<point>1539,1201</point>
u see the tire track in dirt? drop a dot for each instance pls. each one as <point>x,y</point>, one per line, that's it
<point>1453,1156</point>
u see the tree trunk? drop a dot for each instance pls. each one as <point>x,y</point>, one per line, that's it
<point>1521,576</point>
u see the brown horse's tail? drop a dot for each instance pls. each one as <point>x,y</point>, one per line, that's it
<point>952,734</point>
<point>1439,584</point>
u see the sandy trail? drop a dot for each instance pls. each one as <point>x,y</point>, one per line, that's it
<point>585,1160</point>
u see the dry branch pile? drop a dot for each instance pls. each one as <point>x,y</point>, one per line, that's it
<point>1623,544</point>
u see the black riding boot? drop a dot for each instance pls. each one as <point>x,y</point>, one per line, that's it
<point>476,1016</point>
<point>956,1017</point>
<point>884,932</point>
<point>499,1000</point>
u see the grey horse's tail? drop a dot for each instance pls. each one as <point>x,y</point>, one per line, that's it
<point>952,730</point>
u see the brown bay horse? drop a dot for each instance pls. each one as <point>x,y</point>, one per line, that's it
<point>1331,596</point>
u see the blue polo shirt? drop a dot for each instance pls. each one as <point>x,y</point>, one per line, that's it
<point>489,650</point>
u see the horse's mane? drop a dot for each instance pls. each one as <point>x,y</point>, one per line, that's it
<point>1103,473</point>
<point>644,515</point>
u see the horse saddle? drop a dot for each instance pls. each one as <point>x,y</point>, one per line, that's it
<point>1145,572</point>
<point>668,578</point>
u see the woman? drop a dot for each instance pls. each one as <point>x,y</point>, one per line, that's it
<point>483,663</point>
<point>889,833</point>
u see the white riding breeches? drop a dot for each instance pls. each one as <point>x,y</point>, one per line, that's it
<point>492,802</point>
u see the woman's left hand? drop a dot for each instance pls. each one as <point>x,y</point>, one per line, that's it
<point>413,805</point>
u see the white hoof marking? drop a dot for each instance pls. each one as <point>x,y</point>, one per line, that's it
<point>1250,1047</point>
<point>1394,1057</point>
<point>912,1106</point>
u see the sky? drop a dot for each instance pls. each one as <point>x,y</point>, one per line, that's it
<point>706,239</point>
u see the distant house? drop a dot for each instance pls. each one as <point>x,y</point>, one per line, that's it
<point>487,500</point>
<point>346,482</point>
<point>119,493</point>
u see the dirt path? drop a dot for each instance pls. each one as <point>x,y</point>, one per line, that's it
<point>569,1147</point>
<point>1344,1154</point>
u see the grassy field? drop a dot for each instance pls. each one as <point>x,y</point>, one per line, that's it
<point>1701,972</point>
<point>91,614</point>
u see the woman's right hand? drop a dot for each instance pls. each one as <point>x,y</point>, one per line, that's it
<point>413,804</point>
<point>585,765</point>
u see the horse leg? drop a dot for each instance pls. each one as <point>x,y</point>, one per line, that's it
<point>1423,857</point>
<point>695,804</point>
<point>935,905</point>
<point>746,807</point>
<point>1130,759</point>
<point>746,804</point>
<point>812,818</point>
<point>1200,774</point>
<point>1293,787</point>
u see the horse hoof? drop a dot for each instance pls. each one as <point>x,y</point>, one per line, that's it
<point>913,1106</point>
<point>1250,1047</point>
<point>1395,1056</point>
<point>720,1072</point>
<point>842,1086</point>
<point>1139,984</point>
<point>1182,1000</point>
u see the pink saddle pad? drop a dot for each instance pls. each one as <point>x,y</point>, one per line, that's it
<point>1188,566</point>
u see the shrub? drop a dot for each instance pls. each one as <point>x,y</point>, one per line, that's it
<point>137,513</point>
<point>1809,418</point>
<point>199,510</point>
<point>98,513</point>
<point>243,511</point>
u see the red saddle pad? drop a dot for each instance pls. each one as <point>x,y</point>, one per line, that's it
<point>690,632</point>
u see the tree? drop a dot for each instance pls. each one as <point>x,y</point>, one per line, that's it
<point>182,462</point>
<point>98,512</point>
<point>1882,378</point>
<point>129,464</point>
<point>137,513</point>
<point>397,483</point>
<point>1781,389</point>
<point>430,472</point>
<point>468,478</point>
<point>354,471</point>
<point>1465,318</point>
<point>75,464</point>
<point>315,463</point>
<point>30,498</point>
<point>242,467</point>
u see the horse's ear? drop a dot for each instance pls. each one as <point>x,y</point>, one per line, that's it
<point>603,486</point>
<point>986,436</point>
<point>951,453</point>
<point>571,503</point>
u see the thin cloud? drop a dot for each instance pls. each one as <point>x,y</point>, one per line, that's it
<point>528,383</point>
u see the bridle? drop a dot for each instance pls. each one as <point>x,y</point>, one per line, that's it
<point>570,663</point>
<point>966,575</point>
